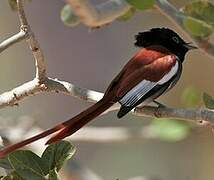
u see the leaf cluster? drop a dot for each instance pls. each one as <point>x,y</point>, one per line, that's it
<point>24,164</point>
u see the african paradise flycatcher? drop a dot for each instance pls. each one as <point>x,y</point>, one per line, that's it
<point>152,71</point>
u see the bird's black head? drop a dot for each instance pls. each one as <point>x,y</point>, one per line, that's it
<point>165,37</point>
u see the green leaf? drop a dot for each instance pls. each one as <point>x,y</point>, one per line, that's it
<point>197,27</point>
<point>53,175</point>
<point>169,129</point>
<point>200,18</point>
<point>56,154</point>
<point>128,15</point>
<point>208,101</point>
<point>68,17</point>
<point>28,165</point>
<point>190,97</point>
<point>141,4</point>
<point>202,10</point>
<point>4,163</point>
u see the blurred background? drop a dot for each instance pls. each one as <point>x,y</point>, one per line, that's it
<point>91,58</point>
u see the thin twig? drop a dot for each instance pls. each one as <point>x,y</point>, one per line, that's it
<point>21,13</point>
<point>33,43</point>
<point>12,40</point>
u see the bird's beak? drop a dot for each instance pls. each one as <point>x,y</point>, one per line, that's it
<point>189,46</point>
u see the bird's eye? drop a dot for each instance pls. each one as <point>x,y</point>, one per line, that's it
<point>175,39</point>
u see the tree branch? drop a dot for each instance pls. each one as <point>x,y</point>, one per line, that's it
<point>201,116</point>
<point>34,87</point>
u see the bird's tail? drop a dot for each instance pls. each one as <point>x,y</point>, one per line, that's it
<point>74,124</point>
<point>66,128</point>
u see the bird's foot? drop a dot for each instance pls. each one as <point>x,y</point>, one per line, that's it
<point>157,113</point>
<point>160,105</point>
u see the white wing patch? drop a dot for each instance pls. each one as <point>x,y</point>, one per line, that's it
<point>137,92</point>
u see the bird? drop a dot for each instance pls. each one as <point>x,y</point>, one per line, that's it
<point>152,71</point>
